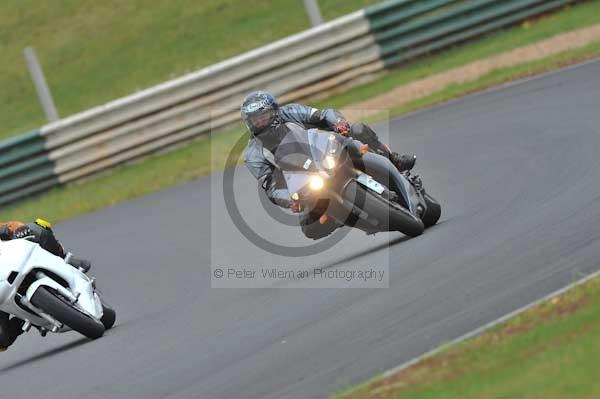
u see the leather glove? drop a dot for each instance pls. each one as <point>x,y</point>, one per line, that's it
<point>296,207</point>
<point>342,127</point>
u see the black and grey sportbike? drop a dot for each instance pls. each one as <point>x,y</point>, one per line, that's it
<point>335,177</point>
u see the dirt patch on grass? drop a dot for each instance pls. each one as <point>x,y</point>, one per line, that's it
<point>567,308</point>
<point>473,71</point>
<point>442,365</point>
<point>560,306</point>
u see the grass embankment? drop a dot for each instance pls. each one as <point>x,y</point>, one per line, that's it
<point>551,351</point>
<point>95,51</point>
<point>194,160</point>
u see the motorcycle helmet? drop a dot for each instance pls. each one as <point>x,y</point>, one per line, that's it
<point>259,111</point>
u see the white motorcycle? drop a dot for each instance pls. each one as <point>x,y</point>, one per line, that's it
<point>49,294</point>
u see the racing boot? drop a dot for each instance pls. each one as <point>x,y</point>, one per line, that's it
<point>403,162</point>
<point>10,329</point>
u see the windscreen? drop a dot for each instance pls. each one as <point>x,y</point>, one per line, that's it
<point>293,152</point>
<point>301,150</point>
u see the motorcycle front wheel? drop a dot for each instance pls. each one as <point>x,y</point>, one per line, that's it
<point>59,308</point>
<point>109,316</point>
<point>433,212</point>
<point>389,215</point>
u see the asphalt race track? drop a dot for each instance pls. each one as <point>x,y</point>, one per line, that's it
<point>517,170</point>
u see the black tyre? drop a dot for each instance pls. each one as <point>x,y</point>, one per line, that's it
<point>433,213</point>
<point>310,222</point>
<point>63,311</point>
<point>109,317</point>
<point>389,215</point>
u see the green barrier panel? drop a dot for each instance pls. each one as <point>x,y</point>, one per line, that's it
<point>17,148</point>
<point>388,6</point>
<point>39,162</point>
<point>407,29</point>
<point>24,166</point>
<point>29,190</point>
<point>474,32</point>
<point>25,179</point>
<point>379,20</point>
<point>432,22</point>
<point>464,21</point>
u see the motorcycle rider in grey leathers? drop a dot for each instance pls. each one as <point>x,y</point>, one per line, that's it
<point>266,120</point>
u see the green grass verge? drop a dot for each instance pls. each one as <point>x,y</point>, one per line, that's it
<point>95,51</point>
<point>193,161</point>
<point>550,351</point>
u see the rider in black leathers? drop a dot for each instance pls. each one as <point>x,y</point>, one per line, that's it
<point>266,119</point>
<point>41,233</point>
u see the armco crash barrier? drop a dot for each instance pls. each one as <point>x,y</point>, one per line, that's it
<point>294,68</point>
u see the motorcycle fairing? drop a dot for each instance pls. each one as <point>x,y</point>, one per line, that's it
<point>24,256</point>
